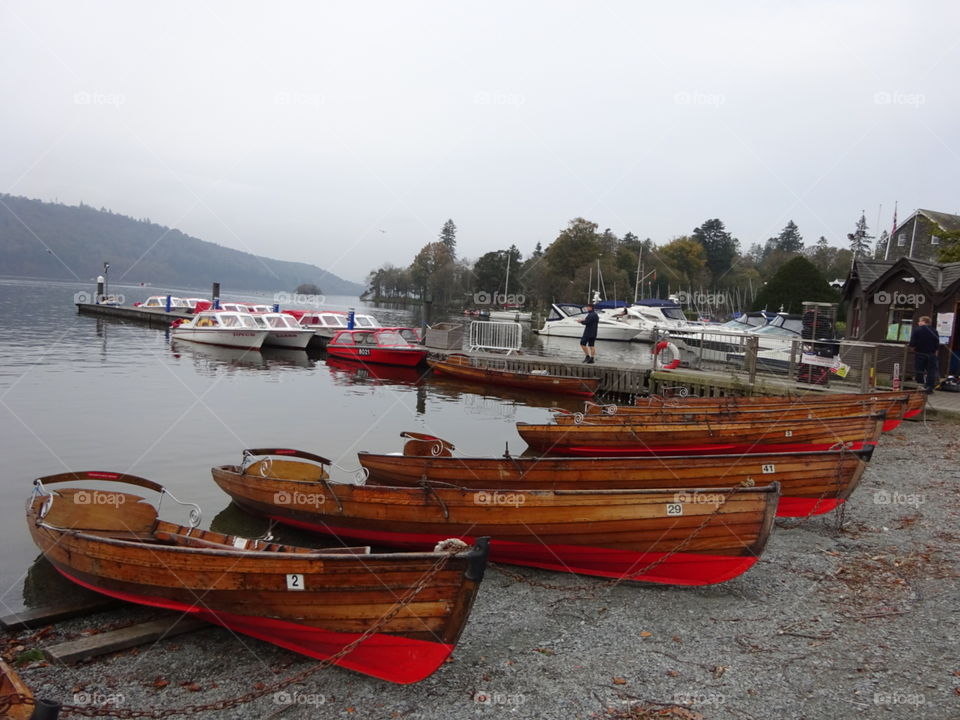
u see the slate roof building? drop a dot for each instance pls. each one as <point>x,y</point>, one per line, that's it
<point>885,298</point>
<point>919,235</point>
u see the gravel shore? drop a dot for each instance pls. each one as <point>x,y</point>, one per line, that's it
<point>833,622</point>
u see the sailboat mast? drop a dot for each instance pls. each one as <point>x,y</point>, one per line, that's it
<point>636,285</point>
<point>506,283</point>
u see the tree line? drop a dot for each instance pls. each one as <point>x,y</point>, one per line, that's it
<point>583,258</point>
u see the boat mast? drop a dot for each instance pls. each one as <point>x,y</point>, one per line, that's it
<point>636,285</point>
<point>506,283</point>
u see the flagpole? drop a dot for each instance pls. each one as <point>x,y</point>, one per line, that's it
<point>892,232</point>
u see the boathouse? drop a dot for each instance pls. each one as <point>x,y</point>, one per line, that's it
<point>885,298</point>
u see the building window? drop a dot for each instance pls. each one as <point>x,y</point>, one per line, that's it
<point>934,240</point>
<point>857,321</point>
<point>901,239</point>
<point>900,324</point>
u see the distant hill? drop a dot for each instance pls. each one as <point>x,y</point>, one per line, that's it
<point>79,239</point>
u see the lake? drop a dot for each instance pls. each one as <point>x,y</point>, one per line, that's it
<point>83,393</point>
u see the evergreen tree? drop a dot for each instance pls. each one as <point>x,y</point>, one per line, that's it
<point>448,236</point>
<point>796,282</point>
<point>881,248</point>
<point>859,239</point>
<point>790,239</point>
<point>719,246</point>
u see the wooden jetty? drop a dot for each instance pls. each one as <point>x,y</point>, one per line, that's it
<point>155,317</point>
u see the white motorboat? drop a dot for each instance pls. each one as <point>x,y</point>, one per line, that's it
<point>564,321</point>
<point>283,330</point>
<point>327,323</point>
<point>648,317</point>
<point>159,302</point>
<point>221,327</point>
<point>510,315</point>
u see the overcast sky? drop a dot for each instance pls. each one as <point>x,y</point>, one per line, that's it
<point>345,134</point>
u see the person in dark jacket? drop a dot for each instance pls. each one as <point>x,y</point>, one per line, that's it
<point>926,343</point>
<point>590,323</point>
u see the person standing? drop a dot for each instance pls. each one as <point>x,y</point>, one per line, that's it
<point>587,342</point>
<point>926,343</point>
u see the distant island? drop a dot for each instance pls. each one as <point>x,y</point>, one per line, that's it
<point>64,242</point>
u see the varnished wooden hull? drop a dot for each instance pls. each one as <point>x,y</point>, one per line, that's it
<point>459,366</point>
<point>313,602</point>
<point>717,535</point>
<point>791,410</point>
<point>811,483</point>
<point>719,437</point>
<point>886,401</point>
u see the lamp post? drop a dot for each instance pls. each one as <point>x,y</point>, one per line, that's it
<point>106,278</point>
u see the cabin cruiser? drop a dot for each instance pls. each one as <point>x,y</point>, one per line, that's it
<point>564,321</point>
<point>648,317</point>
<point>221,327</point>
<point>283,330</point>
<point>776,342</point>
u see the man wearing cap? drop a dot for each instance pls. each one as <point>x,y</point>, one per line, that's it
<point>589,322</point>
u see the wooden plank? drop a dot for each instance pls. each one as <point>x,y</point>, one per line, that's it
<point>38,617</point>
<point>74,651</point>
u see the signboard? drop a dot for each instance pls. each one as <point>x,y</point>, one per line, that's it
<point>945,327</point>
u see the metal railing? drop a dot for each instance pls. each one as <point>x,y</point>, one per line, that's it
<point>502,336</point>
<point>814,362</point>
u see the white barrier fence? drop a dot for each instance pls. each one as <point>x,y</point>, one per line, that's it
<point>494,336</point>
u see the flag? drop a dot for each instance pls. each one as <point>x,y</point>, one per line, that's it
<point>894,219</point>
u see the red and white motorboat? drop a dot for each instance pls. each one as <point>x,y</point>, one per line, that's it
<point>383,346</point>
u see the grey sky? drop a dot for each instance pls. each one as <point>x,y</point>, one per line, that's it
<point>345,134</point>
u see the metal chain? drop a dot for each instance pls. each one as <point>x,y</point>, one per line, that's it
<point>7,702</point>
<point>273,687</point>
<point>594,589</point>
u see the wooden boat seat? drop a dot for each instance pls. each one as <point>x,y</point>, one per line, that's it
<point>287,470</point>
<point>114,513</point>
<point>206,539</point>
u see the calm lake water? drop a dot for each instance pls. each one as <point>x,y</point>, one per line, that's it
<point>81,393</point>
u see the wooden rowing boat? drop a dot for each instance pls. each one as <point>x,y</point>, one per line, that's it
<point>811,483</point>
<point>693,537</point>
<point>326,603</point>
<point>461,366</point>
<point>711,437</point>
<point>913,401</point>
<point>16,700</point>
<point>790,410</point>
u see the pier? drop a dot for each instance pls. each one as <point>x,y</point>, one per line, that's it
<point>154,317</point>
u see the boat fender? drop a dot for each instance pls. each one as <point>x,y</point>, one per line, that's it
<point>177,323</point>
<point>674,354</point>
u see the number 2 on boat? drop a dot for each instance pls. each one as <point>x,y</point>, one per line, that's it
<point>294,581</point>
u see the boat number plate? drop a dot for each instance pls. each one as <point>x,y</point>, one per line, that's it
<point>363,351</point>
<point>294,581</point>
<point>674,508</point>
<point>767,469</point>
<point>240,543</point>
<point>788,433</point>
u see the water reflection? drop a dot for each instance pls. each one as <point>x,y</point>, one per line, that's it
<point>208,358</point>
<point>352,372</point>
<point>44,586</point>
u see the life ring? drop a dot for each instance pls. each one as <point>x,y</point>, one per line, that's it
<point>674,354</point>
